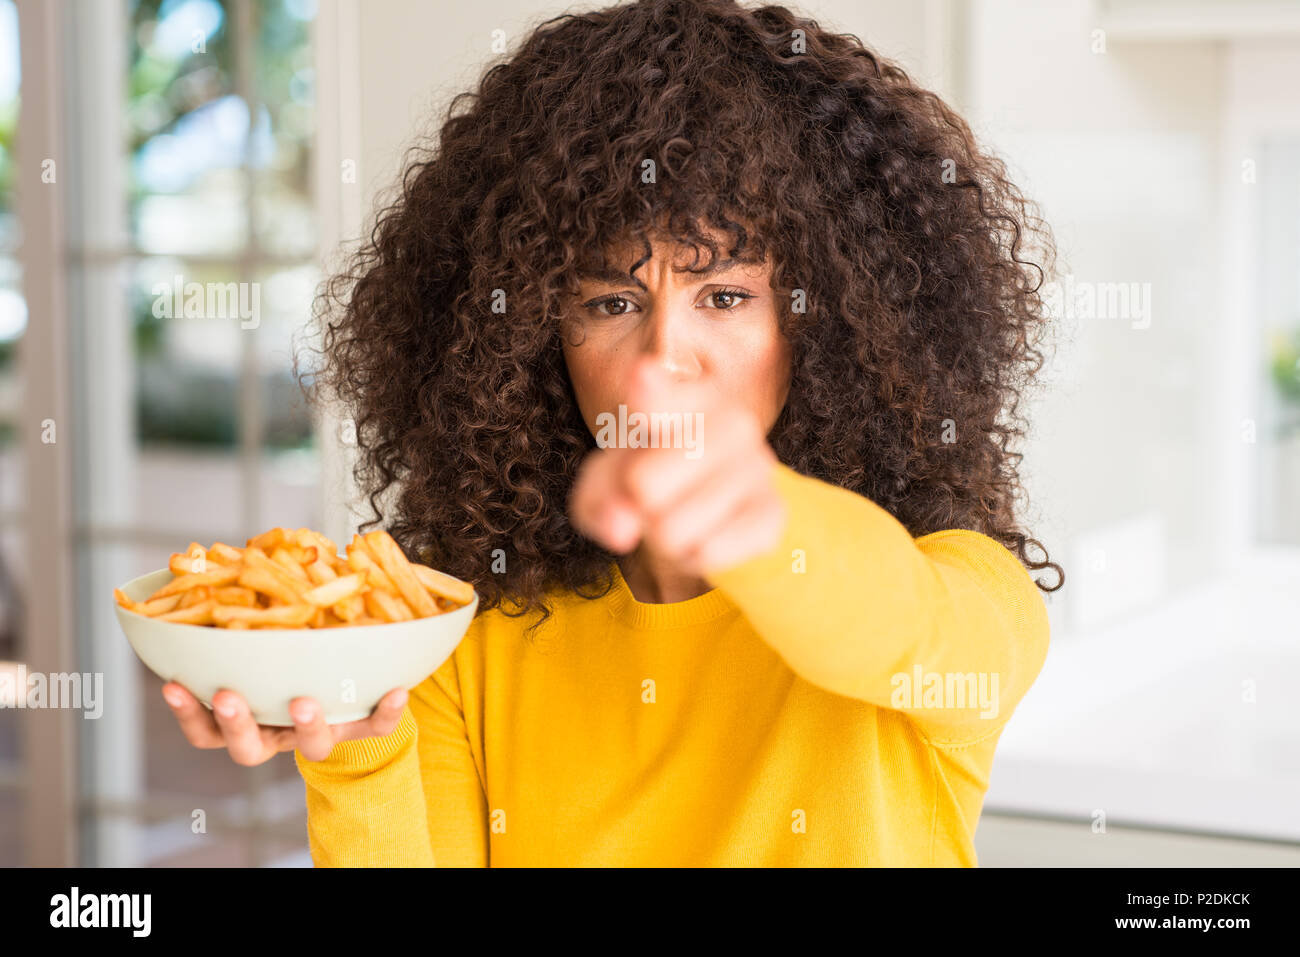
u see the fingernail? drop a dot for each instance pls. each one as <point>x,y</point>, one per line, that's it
<point>173,698</point>
<point>226,710</point>
<point>304,713</point>
<point>399,699</point>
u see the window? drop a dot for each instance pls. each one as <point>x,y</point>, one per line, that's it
<point>190,264</point>
<point>1277,519</point>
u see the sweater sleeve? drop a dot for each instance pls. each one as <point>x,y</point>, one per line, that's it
<point>948,628</point>
<point>410,799</point>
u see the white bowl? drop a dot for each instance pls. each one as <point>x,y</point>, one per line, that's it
<point>346,669</point>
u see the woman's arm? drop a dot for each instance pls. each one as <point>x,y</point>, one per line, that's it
<point>854,604</point>
<point>410,799</point>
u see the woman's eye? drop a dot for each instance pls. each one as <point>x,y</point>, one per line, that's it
<point>733,296</point>
<point>599,305</point>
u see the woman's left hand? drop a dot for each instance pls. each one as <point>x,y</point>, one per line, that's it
<point>705,507</point>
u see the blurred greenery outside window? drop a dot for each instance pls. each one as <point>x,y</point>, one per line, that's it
<point>1284,370</point>
<point>214,189</point>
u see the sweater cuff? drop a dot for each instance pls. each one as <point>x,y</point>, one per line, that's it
<point>366,754</point>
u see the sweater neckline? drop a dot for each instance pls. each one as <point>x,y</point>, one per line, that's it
<point>625,608</point>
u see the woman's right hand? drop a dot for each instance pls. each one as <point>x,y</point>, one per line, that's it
<point>250,743</point>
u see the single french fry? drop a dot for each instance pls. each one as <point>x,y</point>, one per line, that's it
<point>193,559</point>
<point>235,595</point>
<point>350,609</point>
<point>285,560</point>
<point>358,621</point>
<point>268,541</point>
<point>360,560</point>
<point>454,589</point>
<point>225,554</point>
<point>307,538</point>
<point>150,608</point>
<point>237,625</point>
<point>196,595</point>
<point>159,606</point>
<point>386,607</point>
<point>256,558</point>
<point>389,555</point>
<point>285,616</point>
<point>217,575</point>
<point>200,614</point>
<point>268,583</point>
<point>322,596</point>
<point>373,608</point>
<point>301,555</point>
<point>320,572</point>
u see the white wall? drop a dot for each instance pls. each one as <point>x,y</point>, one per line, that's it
<point>415,56</point>
<point>1121,149</point>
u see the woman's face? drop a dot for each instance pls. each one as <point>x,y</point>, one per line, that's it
<point>720,328</point>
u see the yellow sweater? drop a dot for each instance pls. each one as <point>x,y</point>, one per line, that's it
<point>806,711</point>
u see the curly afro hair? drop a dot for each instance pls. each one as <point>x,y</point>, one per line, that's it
<point>897,249</point>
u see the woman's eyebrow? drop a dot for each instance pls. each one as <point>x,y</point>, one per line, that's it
<point>614,276</point>
<point>611,276</point>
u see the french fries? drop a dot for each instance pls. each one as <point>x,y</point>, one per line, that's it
<point>322,596</point>
<point>453,589</point>
<point>285,616</point>
<point>394,563</point>
<point>295,578</point>
<point>360,560</point>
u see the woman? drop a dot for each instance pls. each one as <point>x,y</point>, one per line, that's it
<point>689,345</point>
